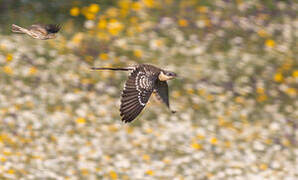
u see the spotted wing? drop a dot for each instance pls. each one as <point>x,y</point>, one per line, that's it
<point>137,91</point>
<point>162,92</point>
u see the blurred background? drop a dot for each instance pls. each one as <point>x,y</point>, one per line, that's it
<point>236,95</point>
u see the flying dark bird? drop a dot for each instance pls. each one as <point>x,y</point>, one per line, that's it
<point>144,80</point>
<point>38,31</point>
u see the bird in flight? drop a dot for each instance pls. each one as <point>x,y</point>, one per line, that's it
<point>38,31</point>
<point>144,80</point>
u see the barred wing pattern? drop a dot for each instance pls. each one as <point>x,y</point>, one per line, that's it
<point>137,91</point>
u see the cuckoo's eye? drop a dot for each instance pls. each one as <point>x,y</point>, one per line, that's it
<point>171,74</point>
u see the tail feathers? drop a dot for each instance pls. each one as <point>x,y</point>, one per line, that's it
<point>17,29</point>
<point>113,69</point>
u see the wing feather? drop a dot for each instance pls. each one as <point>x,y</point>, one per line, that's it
<point>137,91</point>
<point>162,92</point>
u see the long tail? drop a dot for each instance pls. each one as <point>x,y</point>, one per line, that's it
<point>17,29</point>
<point>113,69</point>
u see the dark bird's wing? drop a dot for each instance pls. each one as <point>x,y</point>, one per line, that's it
<point>162,92</point>
<point>38,29</point>
<point>52,28</point>
<point>137,91</point>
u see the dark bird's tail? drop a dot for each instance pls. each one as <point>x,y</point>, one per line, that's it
<point>17,29</point>
<point>113,69</point>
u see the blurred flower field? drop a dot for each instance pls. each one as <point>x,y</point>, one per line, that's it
<point>236,95</point>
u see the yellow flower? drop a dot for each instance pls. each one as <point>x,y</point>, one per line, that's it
<point>286,142</point>
<point>2,159</point>
<point>81,120</point>
<point>260,90</point>
<point>138,53</point>
<point>77,38</point>
<point>207,22</point>
<point>84,171</point>
<point>158,42</point>
<point>263,166</point>
<point>124,4</point>
<point>75,11</point>
<point>190,91</point>
<point>32,70</point>
<point>113,128</point>
<point>148,130</point>
<point>89,16</point>
<point>169,1</point>
<point>94,8</point>
<point>183,22</point>
<point>202,9</point>
<point>10,171</point>
<point>7,153</point>
<point>262,97</point>
<point>146,157</point>
<point>115,27</point>
<point>104,56</point>
<point>2,47</point>
<point>102,24</point>
<point>87,81</point>
<point>200,137</point>
<point>227,144</point>
<point>103,36</point>
<point>133,20</point>
<point>136,6</point>
<point>8,70</point>
<point>113,175</point>
<point>221,121</point>
<point>112,12</point>
<point>201,92</point>
<point>270,43</point>
<point>295,74</point>
<point>278,77</point>
<point>262,33</point>
<point>291,91</point>
<point>239,100</point>
<point>196,146</point>
<point>149,3</point>
<point>129,129</point>
<point>150,172</point>
<point>210,97</point>
<point>166,160</point>
<point>213,141</point>
<point>9,57</point>
<point>123,12</point>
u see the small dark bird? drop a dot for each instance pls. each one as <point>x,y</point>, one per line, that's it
<point>38,31</point>
<point>144,80</point>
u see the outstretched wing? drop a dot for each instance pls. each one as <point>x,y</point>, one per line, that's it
<point>162,92</point>
<point>38,29</point>
<point>137,91</point>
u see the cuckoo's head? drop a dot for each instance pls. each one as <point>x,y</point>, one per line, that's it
<point>166,75</point>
